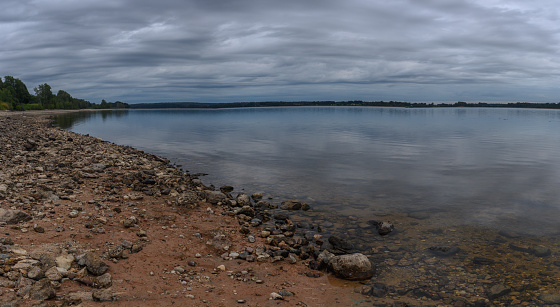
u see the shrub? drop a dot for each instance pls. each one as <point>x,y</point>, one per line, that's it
<point>32,106</point>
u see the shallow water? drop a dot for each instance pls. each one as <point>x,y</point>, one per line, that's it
<point>493,167</point>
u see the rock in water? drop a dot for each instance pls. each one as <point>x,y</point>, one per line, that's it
<point>340,245</point>
<point>444,251</point>
<point>383,228</point>
<point>549,298</point>
<point>352,266</point>
<point>290,205</point>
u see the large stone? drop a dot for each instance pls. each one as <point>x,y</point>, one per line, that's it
<point>549,298</point>
<point>541,251</point>
<point>64,261</point>
<point>243,199</point>
<point>497,291</point>
<point>340,245</point>
<point>94,264</point>
<point>290,205</point>
<point>10,216</point>
<point>53,274</point>
<point>42,290</point>
<point>352,266</point>
<point>214,197</point>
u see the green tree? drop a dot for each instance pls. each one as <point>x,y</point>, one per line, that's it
<point>45,96</point>
<point>18,91</point>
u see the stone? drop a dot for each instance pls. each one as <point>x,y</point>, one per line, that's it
<point>351,266</point>
<point>36,273</point>
<point>94,264</point>
<point>104,281</point>
<point>64,261</point>
<point>497,291</point>
<point>102,296</point>
<point>340,245</point>
<point>116,252</point>
<point>53,274</point>
<point>10,216</point>
<point>379,289</point>
<point>541,251</point>
<point>214,197</point>
<point>290,205</point>
<point>281,216</point>
<point>383,228</point>
<point>444,251</point>
<point>243,199</point>
<point>549,298</point>
<point>130,222</point>
<point>42,290</point>
<point>247,210</point>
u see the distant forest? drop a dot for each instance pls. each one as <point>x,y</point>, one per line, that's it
<point>15,96</point>
<point>198,105</point>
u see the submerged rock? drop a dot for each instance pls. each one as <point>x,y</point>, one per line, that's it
<point>290,205</point>
<point>444,251</point>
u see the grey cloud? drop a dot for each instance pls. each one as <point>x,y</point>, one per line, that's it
<point>145,51</point>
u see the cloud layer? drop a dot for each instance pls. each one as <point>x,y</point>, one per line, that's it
<point>255,50</point>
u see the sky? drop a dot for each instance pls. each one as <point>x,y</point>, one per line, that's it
<point>139,51</point>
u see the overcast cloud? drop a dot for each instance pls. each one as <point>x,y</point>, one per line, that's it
<point>260,50</point>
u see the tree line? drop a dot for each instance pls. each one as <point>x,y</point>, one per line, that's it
<point>15,96</point>
<point>398,104</point>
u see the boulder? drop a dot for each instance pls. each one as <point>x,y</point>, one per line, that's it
<point>383,228</point>
<point>94,264</point>
<point>497,291</point>
<point>290,205</point>
<point>42,290</point>
<point>214,197</point>
<point>444,251</point>
<point>340,245</point>
<point>549,298</point>
<point>243,200</point>
<point>352,266</point>
<point>10,216</point>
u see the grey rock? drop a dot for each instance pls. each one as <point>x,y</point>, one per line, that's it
<point>444,250</point>
<point>340,245</point>
<point>549,298</point>
<point>497,291</point>
<point>104,281</point>
<point>10,216</point>
<point>541,251</point>
<point>102,296</point>
<point>243,200</point>
<point>352,266</point>
<point>290,205</point>
<point>42,290</point>
<point>53,274</point>
<point>94,264</point>
<point>214,197</point>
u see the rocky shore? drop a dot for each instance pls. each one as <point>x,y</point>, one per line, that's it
<point>84,221</point>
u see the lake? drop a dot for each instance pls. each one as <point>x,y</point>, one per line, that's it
<point>495,167</point>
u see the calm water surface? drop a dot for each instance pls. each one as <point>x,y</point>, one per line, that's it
<point>498,168</point>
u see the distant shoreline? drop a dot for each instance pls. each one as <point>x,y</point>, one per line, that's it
<point>355,103</point>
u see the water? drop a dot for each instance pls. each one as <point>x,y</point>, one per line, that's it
<point>496,168</point>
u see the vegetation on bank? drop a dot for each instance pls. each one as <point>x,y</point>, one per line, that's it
<point>15,96</point>
<point>197,105</point>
